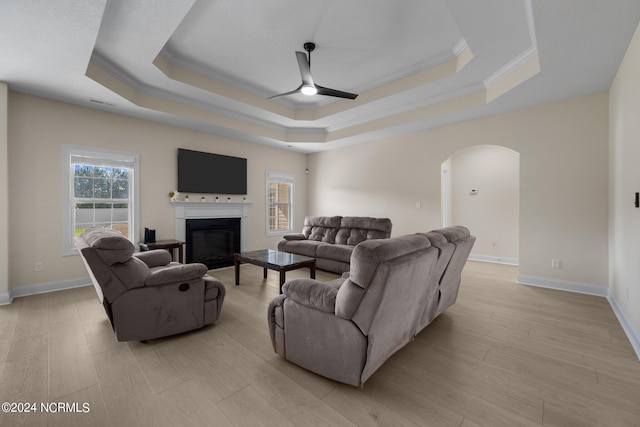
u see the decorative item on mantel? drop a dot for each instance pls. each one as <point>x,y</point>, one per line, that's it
<point>174,196</point>
<point>202,199</point>
<point>186,198</point>
<point>228,199</point>
<point>217,199</point>
<point>244,199</point>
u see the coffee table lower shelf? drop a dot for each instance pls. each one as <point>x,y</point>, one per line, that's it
<point>270,259</point>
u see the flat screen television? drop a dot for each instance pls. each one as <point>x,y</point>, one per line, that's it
<point>200,172</point>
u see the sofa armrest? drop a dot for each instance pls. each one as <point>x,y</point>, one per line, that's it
<point>175,274</point>
<point>154,258</point>
<point>275,319</point>
<point>295,236</point>
<point>311,293</point>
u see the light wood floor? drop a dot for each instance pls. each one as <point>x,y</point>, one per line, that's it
<point>504,355</point>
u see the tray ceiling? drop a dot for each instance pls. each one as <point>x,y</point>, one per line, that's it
<point>211,65</point>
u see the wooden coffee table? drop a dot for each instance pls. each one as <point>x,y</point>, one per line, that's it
<point>269,259</point>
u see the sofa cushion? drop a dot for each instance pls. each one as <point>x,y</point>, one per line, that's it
<point>295,236</point>
<point>354,230</point>
<point>110,245</point>
<point>367,255</point>
<point>445,250</point>
<point>452,234</point>
<point>334,252</point>
<point>311,293</point>
<point>133,273</point>
<point>368,223</point>
<point>176,273</point>
<point>351,236</point>
<point>154,258</point>
<point>321,228</point>
<point>301,247</point>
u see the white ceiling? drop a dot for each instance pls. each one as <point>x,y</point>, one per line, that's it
<point>210,65</point>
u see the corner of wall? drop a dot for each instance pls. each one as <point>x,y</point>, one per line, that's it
<point>632,334</point>
<point>4,191</point>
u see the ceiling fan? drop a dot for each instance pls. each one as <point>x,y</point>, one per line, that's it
<point>308,87</point>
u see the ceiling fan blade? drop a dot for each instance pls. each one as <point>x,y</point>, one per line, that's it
<point>334,92</point>
<point>305,70</point>
<point>287,93</point>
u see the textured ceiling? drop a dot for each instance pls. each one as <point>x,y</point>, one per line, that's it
<point>211,65</point>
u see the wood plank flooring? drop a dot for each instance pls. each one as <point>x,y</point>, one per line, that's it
<point>503,355</point>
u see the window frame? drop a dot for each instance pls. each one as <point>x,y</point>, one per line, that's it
<point>282,177</point>
<point>68,230</point>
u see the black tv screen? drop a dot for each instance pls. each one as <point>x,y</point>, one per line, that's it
<point>200,172</point>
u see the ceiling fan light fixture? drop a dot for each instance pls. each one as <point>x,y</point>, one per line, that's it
<point>308,87</point>
<point>309,90</point>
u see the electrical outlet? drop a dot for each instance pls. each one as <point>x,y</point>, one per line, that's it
<point>555,263</point>
<point>39,266</point>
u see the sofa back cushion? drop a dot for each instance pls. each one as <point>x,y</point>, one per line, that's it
<point>109,255</point>
<point>463,241</point>
<point>368,260</point>
<point>110,245</point>
<point>445,251</point>
<point>321,228</point>
<point>357,229</point>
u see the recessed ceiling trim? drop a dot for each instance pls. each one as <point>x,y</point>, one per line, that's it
<point>157,103</point>
<point>464,102</point>
<point>444,104</point>
<point>519,71</point>
<point>184,75</point>
<point>438,99</point>
<point>444,69</point>
<point>421,78</point>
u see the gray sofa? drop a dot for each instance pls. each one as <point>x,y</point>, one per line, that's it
<point>347,328</point>
<point>145,295</point>
<point>331,239</point>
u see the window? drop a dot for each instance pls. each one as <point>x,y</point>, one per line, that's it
<point>279,202</point>
<point>100,189</point>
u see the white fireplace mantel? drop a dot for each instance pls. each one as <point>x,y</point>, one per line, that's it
<point>196,210</point>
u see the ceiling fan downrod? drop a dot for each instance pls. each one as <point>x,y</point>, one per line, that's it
<point>309,47</point>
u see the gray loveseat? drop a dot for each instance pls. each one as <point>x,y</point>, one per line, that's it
<point>145,295</point>
<point>347,328</point>
<point>331,239</point>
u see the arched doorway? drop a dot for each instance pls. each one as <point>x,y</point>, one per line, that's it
<point>481,190</point>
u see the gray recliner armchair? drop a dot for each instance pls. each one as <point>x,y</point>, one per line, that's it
<point>145,295</point>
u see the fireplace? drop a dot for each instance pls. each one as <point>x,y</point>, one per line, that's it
<point>212,241</point>
<point>184,211</point>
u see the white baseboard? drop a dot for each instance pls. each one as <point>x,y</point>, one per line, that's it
<point>494,259</point>
<point>562,285</point>
<point>5,298</point>
<point>41,288</point>
<point>634,336</point>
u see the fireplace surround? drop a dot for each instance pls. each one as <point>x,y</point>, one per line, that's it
<point>210,210</point>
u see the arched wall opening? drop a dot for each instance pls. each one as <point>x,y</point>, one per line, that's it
<point>481,190</point>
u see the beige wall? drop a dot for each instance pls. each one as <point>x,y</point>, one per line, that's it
<point>37,130</point>
<point>492,211</point>
<point>625,182</point>
<point>563,182</point>
<point>4,195</point>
